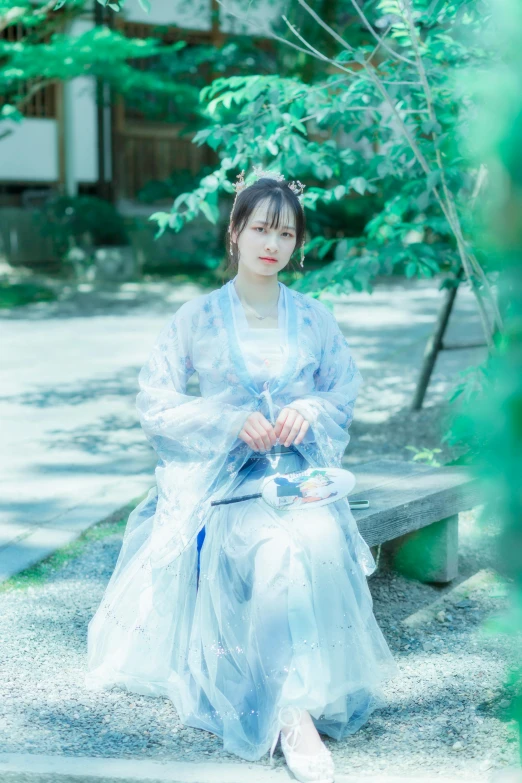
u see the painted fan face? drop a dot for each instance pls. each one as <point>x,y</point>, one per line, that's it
<point>307,488</point>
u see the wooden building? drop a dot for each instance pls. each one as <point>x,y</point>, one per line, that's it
<point>78,138</point>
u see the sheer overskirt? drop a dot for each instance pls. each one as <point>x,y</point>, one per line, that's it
<point>282,614</point>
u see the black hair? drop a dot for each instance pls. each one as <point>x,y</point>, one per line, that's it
<point>280,194</point>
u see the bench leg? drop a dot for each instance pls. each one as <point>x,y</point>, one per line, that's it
<point>429,554</point>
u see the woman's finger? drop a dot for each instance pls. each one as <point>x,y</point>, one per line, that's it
<point>294,431</point>
<point>302,432</point>
<point>250,428</point>
<point>287,425</point>
<point>248,439</point>
<point>262,437</point>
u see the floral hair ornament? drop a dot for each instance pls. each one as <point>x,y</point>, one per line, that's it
<point>296,186</point>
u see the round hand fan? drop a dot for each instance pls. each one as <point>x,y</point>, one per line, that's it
<point>304,489</point>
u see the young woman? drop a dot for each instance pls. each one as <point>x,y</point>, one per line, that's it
<point>256,624</point>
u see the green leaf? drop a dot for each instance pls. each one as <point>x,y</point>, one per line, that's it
<point>423,200</point>
<point>215,139</point>
<point>430,126</point>
<point>211,182</point>
<point>325,248</point>
<point>298,125</point>
<point>359,184</point>
<point>176,222</point>
<point>439,141</point>
<point>322,115</point>
<point>411,268</point>
<point>433,179</point>
<point>181,199</point>
<point>10,112</point>
<point>201,136</point>
<point>429,262</point>
<point>210,211</point>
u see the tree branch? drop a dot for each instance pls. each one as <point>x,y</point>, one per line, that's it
<point>377,37</point>
<point>466,259</point>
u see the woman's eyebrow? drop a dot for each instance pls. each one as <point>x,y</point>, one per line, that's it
<point>265,223</point>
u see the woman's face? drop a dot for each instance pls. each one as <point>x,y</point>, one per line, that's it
<point>258,243</point>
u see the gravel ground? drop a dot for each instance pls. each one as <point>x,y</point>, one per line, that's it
<point>388,440</point>
<point>447,713</point>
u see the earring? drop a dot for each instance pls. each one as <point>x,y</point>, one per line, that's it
<point>301,263</point>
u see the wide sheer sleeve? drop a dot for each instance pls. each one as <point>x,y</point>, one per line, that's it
<point>192,435</point>
<point>329,407</point>
<point>178,425</point>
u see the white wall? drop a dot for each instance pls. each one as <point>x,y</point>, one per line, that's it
<point>255,17</point>
<point>84,124</point>
<point>196,14</point>
<point>85,148</point>
<point>30,153</point>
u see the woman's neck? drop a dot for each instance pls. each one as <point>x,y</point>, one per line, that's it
<point>258,290</point>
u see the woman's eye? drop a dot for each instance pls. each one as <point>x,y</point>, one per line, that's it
<point>285,233</point>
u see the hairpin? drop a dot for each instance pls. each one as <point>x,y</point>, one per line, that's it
<point>295,186</point>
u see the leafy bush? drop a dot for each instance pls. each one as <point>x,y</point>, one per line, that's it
<point>81,221</point>
<point>17,294</point>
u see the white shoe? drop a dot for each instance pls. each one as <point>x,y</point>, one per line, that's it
<point>307,769</point>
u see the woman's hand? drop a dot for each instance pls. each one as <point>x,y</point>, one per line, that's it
<point>290,427</point>
<point>258,433</point>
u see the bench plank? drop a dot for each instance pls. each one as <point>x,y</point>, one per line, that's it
<point>414,512</point>
<point>406,496</point>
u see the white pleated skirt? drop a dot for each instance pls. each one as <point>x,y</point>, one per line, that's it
<point>272,609</point>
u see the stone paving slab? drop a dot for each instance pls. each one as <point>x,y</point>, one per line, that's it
<point>59,769</point>
<point>36,542</point>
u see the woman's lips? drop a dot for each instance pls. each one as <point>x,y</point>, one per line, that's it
<point>268,260</point>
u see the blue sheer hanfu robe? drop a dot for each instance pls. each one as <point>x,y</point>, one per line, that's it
<point>232,611</point>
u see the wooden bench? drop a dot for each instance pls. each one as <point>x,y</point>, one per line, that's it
<point>413,513</point>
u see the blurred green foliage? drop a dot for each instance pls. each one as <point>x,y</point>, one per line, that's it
<point>47,52</point>
<point>171,187</point>
<point>72,221</point>
<point>489,418</point>
<point>17,294</point>
<point>425,455</point>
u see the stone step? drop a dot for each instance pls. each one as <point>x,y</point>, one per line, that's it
<point>26,768</point>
